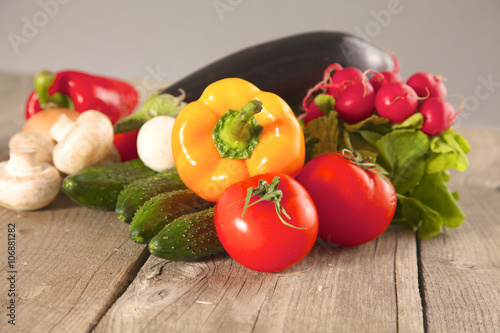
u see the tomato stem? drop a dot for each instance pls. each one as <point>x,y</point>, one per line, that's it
<point>363,163</point>
<point>268,192</point>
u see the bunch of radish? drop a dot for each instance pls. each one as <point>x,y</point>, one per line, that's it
<point>357,97</point>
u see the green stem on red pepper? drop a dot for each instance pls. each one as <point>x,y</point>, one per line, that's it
<point>237,132</point>
<point>42,83</point>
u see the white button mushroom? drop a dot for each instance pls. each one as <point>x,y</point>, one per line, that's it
<point>82,143</point>
<point>26,183</point>
<point>41,143</point>
<point>154,143</point>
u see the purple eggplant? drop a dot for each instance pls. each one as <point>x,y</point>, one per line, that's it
<point>288,66</point>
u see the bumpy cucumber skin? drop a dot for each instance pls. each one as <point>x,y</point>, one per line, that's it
<point>98,186</point>
<point>135,194</point>
<point>162,209</point>
<point>189,237</point>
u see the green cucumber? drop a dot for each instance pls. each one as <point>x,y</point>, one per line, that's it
<point>162,209</point>
<point>189,237</point>
<point>98,186</point>
<point>134,195</point>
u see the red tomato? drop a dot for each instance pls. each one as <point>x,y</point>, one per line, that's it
<point>355,205</point>
<point>258,239</point>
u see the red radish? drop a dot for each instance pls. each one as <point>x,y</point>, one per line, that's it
<point>344,75</point>
<point>336,75</point>
<point>335,79</point>
<point>328,72</point>
<point>341,78</point>
<point>355,100</point>
<point>313,112</point>
<point>381,78</point>
<point>439,115</point>
<point>353,93</point>
<point>427,85</point>
<point>396,101</point>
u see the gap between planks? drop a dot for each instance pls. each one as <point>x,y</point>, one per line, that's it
<point>336,288</point>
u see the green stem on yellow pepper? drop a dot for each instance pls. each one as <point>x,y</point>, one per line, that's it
<point>239,129</point>
<point>237,132</point>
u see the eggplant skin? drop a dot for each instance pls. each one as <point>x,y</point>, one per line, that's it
<point>288,66</point>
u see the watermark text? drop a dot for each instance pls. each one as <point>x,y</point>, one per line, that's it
<point>11,273</point>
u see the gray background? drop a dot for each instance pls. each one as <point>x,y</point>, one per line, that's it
<point>157,42</point>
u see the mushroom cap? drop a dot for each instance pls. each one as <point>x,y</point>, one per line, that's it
<point>154,143</point>
<point>40,142</point>
<point>87,142</point>
<point>29,189</point>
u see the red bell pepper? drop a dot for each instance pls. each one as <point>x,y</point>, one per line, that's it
<point>81,92</point>
<point>126,143</point>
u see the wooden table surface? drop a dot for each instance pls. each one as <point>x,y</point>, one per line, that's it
<point>77,271</point>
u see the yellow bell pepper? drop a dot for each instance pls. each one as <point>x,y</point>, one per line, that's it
<point>232,132</point>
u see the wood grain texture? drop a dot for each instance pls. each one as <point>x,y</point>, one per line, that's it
<point>461,267</point>
<point>72,263</point>
<point>331,290</point>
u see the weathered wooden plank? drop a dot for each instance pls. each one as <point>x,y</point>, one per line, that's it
<point>71,264</point>
<point>461,267</point>
<point>409,306</point>
<point>373,287</point>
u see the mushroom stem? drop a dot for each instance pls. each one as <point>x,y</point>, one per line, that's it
<point>23,162</point>
<point>61,127</point>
